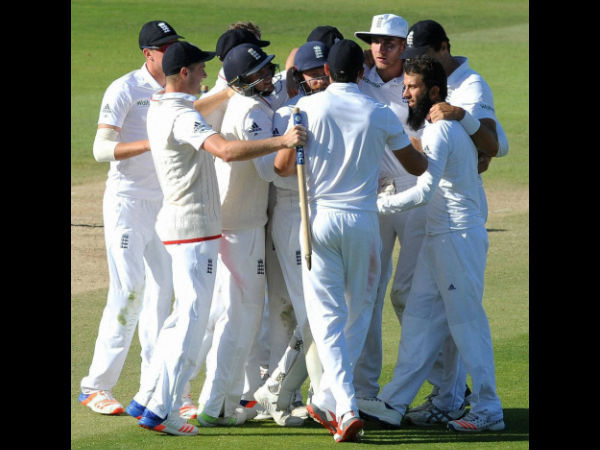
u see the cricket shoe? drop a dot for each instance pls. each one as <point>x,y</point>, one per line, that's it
<point>101,402</point>
<point>432,415</point>
<point>473,423</point>
<point>350,428</point>
<point>268,401</point>
<point>172,424</point>
<point>255,410</point>
<point>188,410</point>
<point>324,417</point>
<point>299,410</point>
<point>377,409</point>
<point>134,409</point>
<point>237,418</point>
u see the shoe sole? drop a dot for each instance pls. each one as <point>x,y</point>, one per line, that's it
<point>323,421</point>
<point>351,432</point>
<point>467,427</point>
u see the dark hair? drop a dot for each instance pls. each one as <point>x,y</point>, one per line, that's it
<point>349,76</point>
<point>431,71</point>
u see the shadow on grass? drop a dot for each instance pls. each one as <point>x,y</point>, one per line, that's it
<point>516,420</point>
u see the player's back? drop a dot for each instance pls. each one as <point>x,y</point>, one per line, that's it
<point>348,131</point>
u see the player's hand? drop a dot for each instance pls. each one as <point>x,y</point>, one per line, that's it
<point>445,111</point>
<point>386,186</point>
<point>483,162</point>
<point>295,137</point>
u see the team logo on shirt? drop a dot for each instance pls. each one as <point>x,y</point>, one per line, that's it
<point>125,241</point>
<point>209,266</point>
<point>260,268</point>
<point>298,258</point>
<point>254,129</point>
<point>200,127</point>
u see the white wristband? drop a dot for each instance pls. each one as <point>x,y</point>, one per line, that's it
<point>470,123</point>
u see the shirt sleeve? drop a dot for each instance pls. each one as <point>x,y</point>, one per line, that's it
<point>257,125</point>
<point>397,137</point>
<point>435,146</point>
<point>191,128</point>
<point>115,106</point>
<point>477,98</point>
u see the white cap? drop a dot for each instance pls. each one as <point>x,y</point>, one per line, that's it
<point>384,25</point>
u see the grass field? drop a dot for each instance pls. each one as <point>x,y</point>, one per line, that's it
<point>495,37</point>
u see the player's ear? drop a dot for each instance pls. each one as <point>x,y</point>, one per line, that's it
<point>326,69</point>
<point>434,93</point>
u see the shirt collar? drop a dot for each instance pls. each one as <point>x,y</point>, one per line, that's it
<point>174,96</point>
<point>149,78</point>
<point>460,70</point>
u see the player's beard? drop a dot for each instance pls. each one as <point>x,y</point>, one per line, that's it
<point>418,113</point>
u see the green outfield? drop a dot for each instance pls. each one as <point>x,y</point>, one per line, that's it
<point>495,37</point>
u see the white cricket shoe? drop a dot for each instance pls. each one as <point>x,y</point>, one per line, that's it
<point>299,410</point>
<point>432,415</point>
<point>188,410</point>
<point>237,418</point>
<point>173,425</point>
<point>377,409</point>
<point>101,402</point>
<point>475,423</point>
<point>268,401</point>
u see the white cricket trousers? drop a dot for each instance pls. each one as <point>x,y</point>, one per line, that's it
<point>340,292</point>
<point>240,288</point>
<point>446,299</point>
<point>409,228</point>
<point>140,288</point>
<point>178,344</point>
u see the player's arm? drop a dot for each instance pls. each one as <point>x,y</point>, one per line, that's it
<point>243,150</point>
<point>414,161</point>
<point>285,162</point>
<point>209,103</point>
<point>482,132</point>
<point>108,147</point>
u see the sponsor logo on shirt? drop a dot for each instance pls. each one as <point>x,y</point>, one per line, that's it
<point>125,241</point>
<point>372,83</point>
<point>143,102</point>
<point>209,266</point>
<point>106,109</point>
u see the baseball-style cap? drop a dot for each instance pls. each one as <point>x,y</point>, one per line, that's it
<point>384,25</point>
<point>325,33</point>
<point>421,36</point>
<point>157,33</point>
<point>310,55</point>
<point>234,37</point>
<point>244,60</point>
<point>345,56</point>
<point>183,54</point>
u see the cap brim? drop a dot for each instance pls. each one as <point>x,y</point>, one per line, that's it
<point>413,52</point>
<point>367,35</point>
<point>262,43</point>
<point>207,56</point>
<point>167,39</point>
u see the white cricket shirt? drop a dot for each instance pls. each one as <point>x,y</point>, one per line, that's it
<point>244,195</point>
<point>449,187</point>
<point>348,132</point>
<point>125,105</point>
<point>191,206</point>
<point>390,93</point>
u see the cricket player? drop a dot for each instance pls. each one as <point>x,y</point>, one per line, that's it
<point>189,224</point>
<point>348,132</point>
<point>139,267</point>
<point>244,195</point>
<point>470,101</point>
<point>384,82</point>
<point>290,368</point>
<point>447,290</point>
